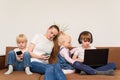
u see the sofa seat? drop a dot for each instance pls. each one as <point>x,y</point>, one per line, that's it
<point>18,75</point>
<point>114,56</point>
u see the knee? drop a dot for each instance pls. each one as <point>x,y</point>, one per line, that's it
<point>26,54</point>
<point>76,63</point>
<point>112,64</point>
<point>11,53</point>
<point>50,67</point>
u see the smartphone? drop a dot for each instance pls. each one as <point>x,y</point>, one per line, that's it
<point>47,54</point>
<point>19,52</point>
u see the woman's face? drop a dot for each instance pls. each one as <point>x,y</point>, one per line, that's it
<point>51,33</point>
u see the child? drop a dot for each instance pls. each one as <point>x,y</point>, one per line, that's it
<point>19,58</point>
<point>85,39</point>
<point>64,58</point>
<point>67,63</point>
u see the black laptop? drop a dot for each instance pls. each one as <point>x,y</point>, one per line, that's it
<point>96,57</point>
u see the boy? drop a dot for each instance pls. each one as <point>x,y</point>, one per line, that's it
<point>86,39</point>
<point>19,58</point>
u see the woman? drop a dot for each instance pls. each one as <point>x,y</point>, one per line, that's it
<point>38,48</point>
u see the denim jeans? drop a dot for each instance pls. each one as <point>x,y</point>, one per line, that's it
<point>51,71</point>
<point>89,70</point>
<point>106,67</point>
<point>18,65</point>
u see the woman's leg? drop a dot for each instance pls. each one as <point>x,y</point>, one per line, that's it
<point>54,72</point>
<point>50,73</point>
<point>59,73</point>
<point>38,67</point>
<point>46,69</point>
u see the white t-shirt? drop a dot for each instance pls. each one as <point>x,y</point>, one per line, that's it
<point>17,49</point>
<point>42,46</point>
<point>80,52</point>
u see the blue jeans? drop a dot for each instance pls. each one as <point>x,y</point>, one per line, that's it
<point>51,71</point>
<point>18,65</point>
<point>89,70</point>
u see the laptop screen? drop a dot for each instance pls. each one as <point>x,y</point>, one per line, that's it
<point>96,57</point>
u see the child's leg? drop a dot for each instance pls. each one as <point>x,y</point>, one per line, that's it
<point>106,67</point>
<point>83,67</point>
<point>10,62</point>
<point>26,60</point>
<point>10,70</point>
<point>27,71</point>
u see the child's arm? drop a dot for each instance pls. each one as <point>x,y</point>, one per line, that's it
<point>75,57</point>
<point>65,53</point>
<point>73,50</point>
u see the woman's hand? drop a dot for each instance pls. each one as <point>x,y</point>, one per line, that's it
<point>44,57</point>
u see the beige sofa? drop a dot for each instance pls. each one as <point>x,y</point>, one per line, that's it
<point>114,56</point>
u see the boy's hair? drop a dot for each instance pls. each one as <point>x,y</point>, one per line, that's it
<point>62,37</point>
<point>20,38</point>
<point>86,36</point>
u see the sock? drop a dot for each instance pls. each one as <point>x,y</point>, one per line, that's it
<point>83,73</point>
<point>108,72</point>
<point>10,70</point>
<point>27,71</point>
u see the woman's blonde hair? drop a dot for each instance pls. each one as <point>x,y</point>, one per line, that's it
<point>21,38</point>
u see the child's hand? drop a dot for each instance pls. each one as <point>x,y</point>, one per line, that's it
<point>19,57</point>
<point>73,50</point>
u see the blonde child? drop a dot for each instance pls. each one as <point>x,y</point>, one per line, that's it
<point>64,58</point>
<point>19,58</point>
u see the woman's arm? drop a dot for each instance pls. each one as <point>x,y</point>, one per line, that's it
<point>41,56</point>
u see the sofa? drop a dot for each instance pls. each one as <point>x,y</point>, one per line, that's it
<point>114,56</point>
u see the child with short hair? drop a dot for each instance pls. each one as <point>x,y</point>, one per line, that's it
<point>19,58</point>
<point>85,39</point>
<point>67,63</point>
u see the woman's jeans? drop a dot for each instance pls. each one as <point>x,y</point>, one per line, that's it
<point>18,65</point>
<point>89,70</point>
<point>51,71</point>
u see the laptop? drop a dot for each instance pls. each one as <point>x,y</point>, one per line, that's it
<point>96,57</point>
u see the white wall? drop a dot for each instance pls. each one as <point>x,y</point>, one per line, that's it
<point>101,17</point>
